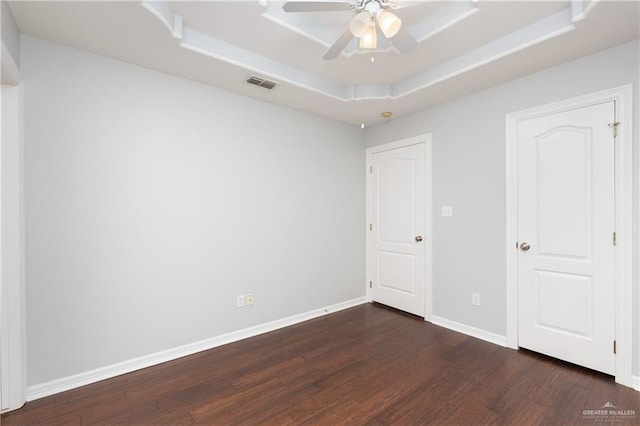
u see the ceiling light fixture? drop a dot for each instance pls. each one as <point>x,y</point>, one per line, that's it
<point>368,18</point>
<point>363,25</point>
<point>369,39</point>
<point>389,23</point>
<point>360,23</point>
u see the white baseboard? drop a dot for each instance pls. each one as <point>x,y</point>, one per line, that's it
<point>469,330</point>
<point>71,382</point>
<point>493,338</point>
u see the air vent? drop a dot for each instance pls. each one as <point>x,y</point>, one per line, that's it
<point>261,82</point>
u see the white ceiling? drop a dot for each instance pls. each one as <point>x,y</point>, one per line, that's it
<point>464,46</point>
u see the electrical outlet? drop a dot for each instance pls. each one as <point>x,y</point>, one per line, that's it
<point>249,299</point>
<point>447,211</point>
<point>240,300</point>
<point>475,299</point>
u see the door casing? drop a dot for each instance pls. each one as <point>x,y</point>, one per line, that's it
<point>622,96</point>
<point>12,282</point>
<point>428,237</point>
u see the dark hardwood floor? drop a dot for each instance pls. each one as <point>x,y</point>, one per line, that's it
<point>366,365</point>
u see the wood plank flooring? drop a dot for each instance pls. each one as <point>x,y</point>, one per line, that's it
<point>366,365</point>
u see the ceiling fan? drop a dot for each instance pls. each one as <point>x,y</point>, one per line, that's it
<point>370,15</point>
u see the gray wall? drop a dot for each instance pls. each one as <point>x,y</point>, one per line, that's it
<point>152,201</point>
<point>10,35</point>
<point>469,174</point>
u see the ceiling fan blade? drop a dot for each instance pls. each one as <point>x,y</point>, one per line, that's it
<point>404,41</point>
<point>316,6</point>
<point>339,45</point>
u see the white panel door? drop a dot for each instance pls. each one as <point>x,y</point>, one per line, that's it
<point>398,203</point>
<point>565,236</point>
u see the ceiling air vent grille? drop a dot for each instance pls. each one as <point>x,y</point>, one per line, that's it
<point>261,82</point>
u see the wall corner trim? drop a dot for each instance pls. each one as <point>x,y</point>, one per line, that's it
<point>71,382</point>
<point>9,70</point>
<point>478,333</point>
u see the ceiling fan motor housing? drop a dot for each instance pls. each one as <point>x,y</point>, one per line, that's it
<point>361,5</point>
<point>373,7</point>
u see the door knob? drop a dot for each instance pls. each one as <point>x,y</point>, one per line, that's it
<point>419,238</point>
<point>524,246</point>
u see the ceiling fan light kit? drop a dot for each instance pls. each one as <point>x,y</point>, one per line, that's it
<point>360,23</point>
<point>363,25</point>
<point>389,23</point>
<point>369,39</point>
<point>370,15</point>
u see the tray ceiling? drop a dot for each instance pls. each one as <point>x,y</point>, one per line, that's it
<point>463,46</point>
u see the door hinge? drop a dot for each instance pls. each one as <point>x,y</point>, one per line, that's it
<point>614,347</point>
<point>371,227</point>
<point>371,169</point>
<point>615,238</point>
<point>370,284</point>
<point>614,127</point>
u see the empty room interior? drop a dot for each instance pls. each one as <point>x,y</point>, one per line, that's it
<point>320,212</point>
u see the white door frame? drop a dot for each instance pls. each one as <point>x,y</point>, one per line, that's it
<point>622,96</point>
<point>426,140</point>
<point>12,285</point>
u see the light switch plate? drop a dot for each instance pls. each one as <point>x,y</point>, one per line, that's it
<point>447,211</point>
